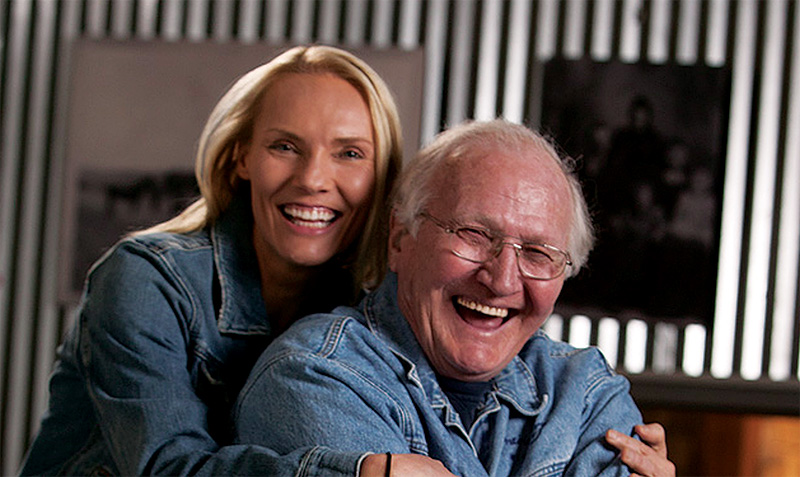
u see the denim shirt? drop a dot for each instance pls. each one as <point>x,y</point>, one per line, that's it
<point>168,328</point>
<point>357,380</point>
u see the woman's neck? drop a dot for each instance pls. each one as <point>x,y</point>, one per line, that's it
<point>291,292</point>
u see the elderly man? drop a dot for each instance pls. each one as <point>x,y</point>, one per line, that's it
<point>446,358</point>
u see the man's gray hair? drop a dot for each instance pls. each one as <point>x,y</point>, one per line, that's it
<point>415,188</point>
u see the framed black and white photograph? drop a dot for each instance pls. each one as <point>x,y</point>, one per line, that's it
<point>649,141</point>
<point>133,116</point>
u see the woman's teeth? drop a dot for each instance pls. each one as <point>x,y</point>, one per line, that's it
<point>316,217</point>
<point>484,309</point>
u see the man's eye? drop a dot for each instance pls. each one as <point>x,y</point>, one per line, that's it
<point>474,236</point>
<point>536,254</point>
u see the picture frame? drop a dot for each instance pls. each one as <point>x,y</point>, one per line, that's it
<point>649,145</point>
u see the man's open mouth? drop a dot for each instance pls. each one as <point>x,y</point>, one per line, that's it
<point>482,315</point>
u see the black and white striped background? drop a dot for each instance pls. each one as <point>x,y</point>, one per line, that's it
<point>481,58</point>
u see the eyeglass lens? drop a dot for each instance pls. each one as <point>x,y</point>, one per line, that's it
<point>534,261</point>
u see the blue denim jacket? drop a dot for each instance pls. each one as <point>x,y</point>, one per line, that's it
<point>168,329</point>
<point>357,380</point>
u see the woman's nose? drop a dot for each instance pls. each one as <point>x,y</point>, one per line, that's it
<point>315,172</point>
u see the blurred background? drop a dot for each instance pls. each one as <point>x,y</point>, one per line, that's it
<point>721,81</point>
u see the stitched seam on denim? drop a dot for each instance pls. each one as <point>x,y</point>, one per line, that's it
<point>306,463</point>
<point>599,376</point>
<point>551,469</point>
<point>332,340</point>
<point>184,289</point>
<point>406,421</point>
<point>333,337</point>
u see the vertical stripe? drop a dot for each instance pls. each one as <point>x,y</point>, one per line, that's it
<point>717,34</point>
<point>554,327</point>
<point>733,196</point>
<point>329,21</point>
<point>382,23</point>
<point>694,349</point>
<point>785,313</point>
<point>147,19</point>
<point>517,61</point>
<point>121,19</point>
<point>546,29</point>
<point>763,193</point>
<point>635,346</point>
<point>658,44</point>
<point>302,17</point>
<point>30,229</point>
<point>48,332</point>
<point>631,34</point>
<point>249,15</point>
<point>488,58</point>
<point>12,133</point>
<point>97,17</point>
<point>665,341</point>
<point>196,20</point>
<point>355,22</point>
<point>602,33</point>
<point>460,56</point>
<point>172,21</point>
<point>435,44</point>
<point>608,339</point>
<point>221,20</point>
<point>574,29</point>
<point>580,329</point>
<point>277,12</point>
<point>410,21</point>
<point>688,27</point>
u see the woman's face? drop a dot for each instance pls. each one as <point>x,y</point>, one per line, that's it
<point>311,168</point>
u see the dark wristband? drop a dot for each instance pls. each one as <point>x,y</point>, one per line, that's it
<point>388,464</point>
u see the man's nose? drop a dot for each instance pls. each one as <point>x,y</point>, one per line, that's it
<point>501,273</point>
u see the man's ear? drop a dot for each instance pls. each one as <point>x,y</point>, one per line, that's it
<point>238,156</point>
<point>397,230</point>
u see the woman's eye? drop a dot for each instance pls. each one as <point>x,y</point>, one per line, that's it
<point>282,147</point>
<point>352,154</point>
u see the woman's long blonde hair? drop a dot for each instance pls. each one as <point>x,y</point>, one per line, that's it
<point>230,127</point>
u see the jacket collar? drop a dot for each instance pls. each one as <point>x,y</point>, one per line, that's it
<point>515,384</point>
<point>242,309</point>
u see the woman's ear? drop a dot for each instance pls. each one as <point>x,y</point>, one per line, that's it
<point>239,155</point>
<point>397,230</point>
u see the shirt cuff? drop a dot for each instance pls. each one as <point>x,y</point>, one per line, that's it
<point>324,462</point>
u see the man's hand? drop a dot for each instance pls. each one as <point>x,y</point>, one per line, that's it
<point>403,465</point>
<point>647,458</point>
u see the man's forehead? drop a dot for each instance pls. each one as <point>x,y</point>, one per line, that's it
<point>515,171</point>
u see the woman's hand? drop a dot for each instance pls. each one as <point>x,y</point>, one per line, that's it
<point>648,457</point>
<point>403,465</point>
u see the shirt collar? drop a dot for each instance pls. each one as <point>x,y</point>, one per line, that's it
<point>242,309</point>
<point>515,384</point>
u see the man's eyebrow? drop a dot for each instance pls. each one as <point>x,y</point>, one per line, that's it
<point>490,224</point>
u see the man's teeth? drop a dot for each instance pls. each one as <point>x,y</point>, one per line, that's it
<point>480,308</point>
<point>316,217</point>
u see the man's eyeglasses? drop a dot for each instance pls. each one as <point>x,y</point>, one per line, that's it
<point>478,245</point>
